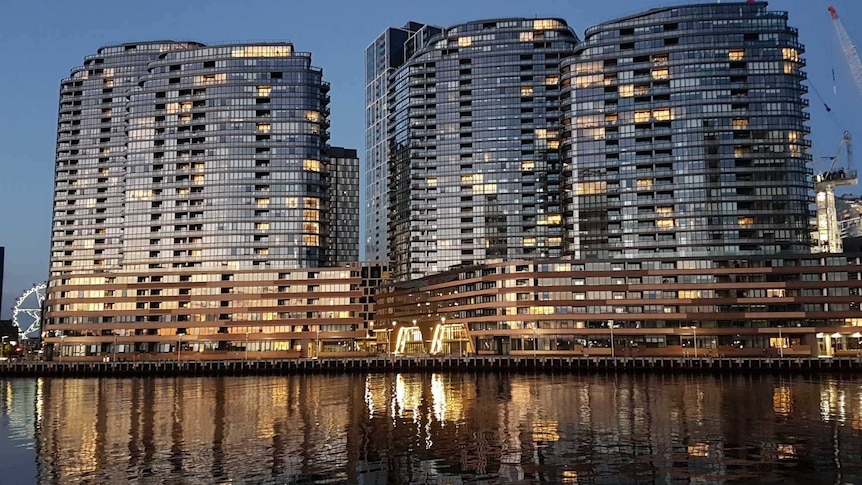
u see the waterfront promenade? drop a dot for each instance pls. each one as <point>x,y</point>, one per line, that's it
<point>734,365</point>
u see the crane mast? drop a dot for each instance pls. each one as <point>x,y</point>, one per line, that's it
<point>828,228</point>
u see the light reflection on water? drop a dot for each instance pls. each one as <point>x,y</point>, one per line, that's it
<point>432,429</point>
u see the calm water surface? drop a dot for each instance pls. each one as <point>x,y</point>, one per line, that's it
<point>432,429</point>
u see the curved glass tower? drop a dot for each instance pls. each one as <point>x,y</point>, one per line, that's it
<point>227,160</point>
<point>686,135</point>
<point>192,183</point>
<point>474,133</point>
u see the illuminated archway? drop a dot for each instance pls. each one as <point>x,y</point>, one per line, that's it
<point>451,338</point>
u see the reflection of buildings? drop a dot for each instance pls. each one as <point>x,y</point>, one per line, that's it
<point>444,428</point>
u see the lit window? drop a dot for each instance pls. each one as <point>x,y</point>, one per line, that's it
<point>661,114</point>
<point>309,240</point>
<point>526,91</point>
<point>740,122</point>
<point>313,116</point>
<point>311,165</point>
<point>262,51</point>
<point>589,80</point>
<point>545,24</point>
<point>790,54</point>
<point>465,41</point>
<point>591,188</point>
<point>311,227</point>
<point>431,181</point>
<point>261,226</point>
<point>588,67</point>
<point>736,54</point>
<point>528,165</point>
<point>311,215</point>
<point>485,188</point>
<point>664,210</point>
<point>552,80</point>
<point>627,90</point>
<point>526,37</point>
<point>261,202</point>
<point>642,116</point>
<point>529,241</point>
<point>746,221</point>
<point>644,184</point>
<point>664,223</point>
<point>264,127</point>
<point>311,202</point>
<point>264,91</point>
<point>660,73</point>
<point>659,59</point>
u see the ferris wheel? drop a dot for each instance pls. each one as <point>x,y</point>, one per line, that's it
<point>27,313</point>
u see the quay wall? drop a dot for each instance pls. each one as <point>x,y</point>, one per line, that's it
<point>730,365</point>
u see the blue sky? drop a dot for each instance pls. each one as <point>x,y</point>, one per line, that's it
<point>41,40</point>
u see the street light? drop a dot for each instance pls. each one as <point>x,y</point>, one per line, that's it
<point>695,340</point>
<point>535,341</point>
<point>613,351</point>
<point>780,343</point>
<point>62,338</point>
<point>180,346</point>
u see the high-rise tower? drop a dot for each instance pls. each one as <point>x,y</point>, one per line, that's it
<point>473,136</point>
<point>382,57</point>
<point>182,166</point>
<point>686,135</point>
<point>344,204</point>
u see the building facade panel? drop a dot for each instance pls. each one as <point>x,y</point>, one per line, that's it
<point>802,305</point>
<point>214,314</point>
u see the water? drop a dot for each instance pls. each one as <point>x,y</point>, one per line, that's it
<point>432,429</point>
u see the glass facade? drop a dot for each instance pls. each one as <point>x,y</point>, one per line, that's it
<point>384,55</point>
<point>805,305</point>
<point>686,135</point>
<point>176,161</point>
<point>474,133</point>
<point>344,205</point>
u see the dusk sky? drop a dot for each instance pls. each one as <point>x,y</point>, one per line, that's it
<point>42,40</point>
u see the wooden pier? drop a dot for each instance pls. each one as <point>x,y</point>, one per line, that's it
<point>729,365</point>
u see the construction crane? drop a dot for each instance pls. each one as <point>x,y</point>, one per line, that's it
<point>828,229</point>
<point>838,175</point>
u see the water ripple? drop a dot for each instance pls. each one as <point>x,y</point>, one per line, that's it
<point>432,429</point>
